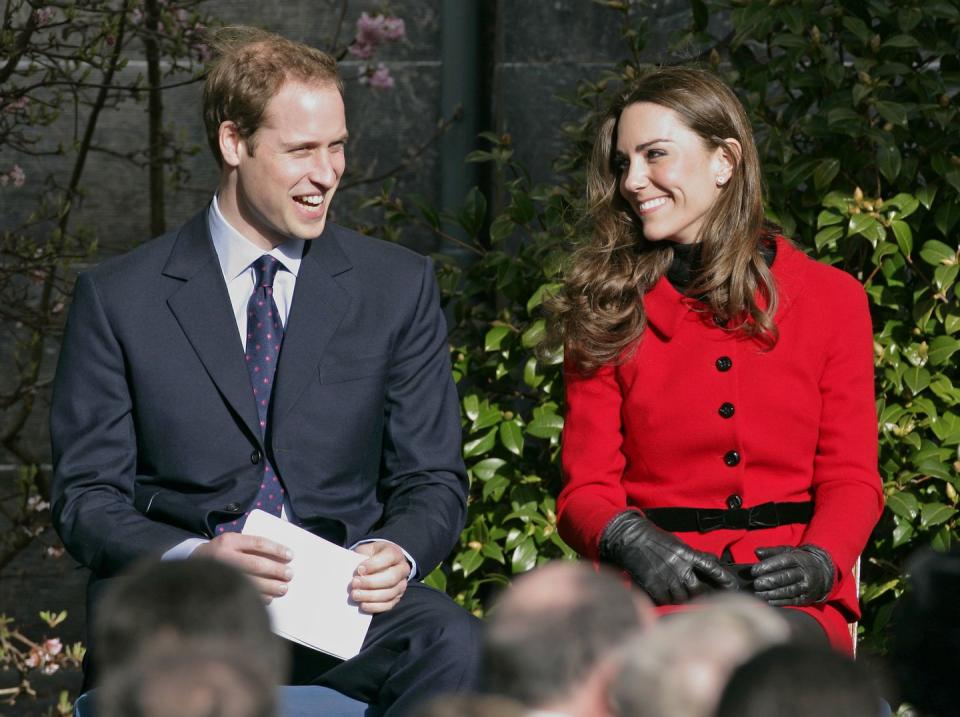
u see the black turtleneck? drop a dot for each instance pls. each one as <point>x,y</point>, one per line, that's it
<point>686,263</point>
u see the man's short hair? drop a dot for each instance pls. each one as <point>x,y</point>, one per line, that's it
<point>170,602</point>
<point>200,678</point>
<point>796,681</point>
<point>249,67</point>
<point>552,628</point>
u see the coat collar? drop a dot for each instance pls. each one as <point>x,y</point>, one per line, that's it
<point>665,307</point>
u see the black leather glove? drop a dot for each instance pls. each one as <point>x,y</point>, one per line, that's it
<point>670,571</point>
<point>793,576</point>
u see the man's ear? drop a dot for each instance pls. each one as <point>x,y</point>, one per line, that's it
<point>231,143</point>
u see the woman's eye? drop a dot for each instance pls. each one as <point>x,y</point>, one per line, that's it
<point>621,164</point>
<point>655,153</point>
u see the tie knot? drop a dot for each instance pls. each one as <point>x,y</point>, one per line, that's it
<point>266,268</point>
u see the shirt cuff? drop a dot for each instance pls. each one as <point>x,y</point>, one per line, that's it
<point>413,563</point>
<point>182,551</point>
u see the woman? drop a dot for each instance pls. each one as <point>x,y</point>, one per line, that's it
<point>721,428</point>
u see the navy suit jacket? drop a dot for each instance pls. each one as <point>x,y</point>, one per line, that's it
<point>153,421</point>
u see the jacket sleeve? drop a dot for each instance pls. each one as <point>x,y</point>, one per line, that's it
<point>94,446</point>
<point>593,461</point>
<point>423,478</point>
<point>846,484</point>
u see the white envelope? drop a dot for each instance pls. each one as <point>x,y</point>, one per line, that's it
<point>317,610</point>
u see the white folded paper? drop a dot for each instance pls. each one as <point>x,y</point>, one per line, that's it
<point>317,610</point>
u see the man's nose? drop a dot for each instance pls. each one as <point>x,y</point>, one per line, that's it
<point>323,172</point>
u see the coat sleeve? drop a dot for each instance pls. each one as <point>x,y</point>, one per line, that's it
<point>95,447</point>
<point>593,461</point>
<point>423,479</point>
<point>846,484</point>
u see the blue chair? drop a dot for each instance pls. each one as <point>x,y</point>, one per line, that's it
<point>299,701</point>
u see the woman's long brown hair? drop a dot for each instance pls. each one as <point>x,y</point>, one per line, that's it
<point>598,315</point>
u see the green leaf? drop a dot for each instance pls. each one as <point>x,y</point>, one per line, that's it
<point>828,218</point>
<point>932,514</point>
<point>858,27</point>
<point>437,579</point>
<point>904,235</point>
<point>535,334</point>
<point>469,561</point>
<point>524,557</point>
<point>825,173</point>
<point>945,276</point>
<point>866,225</point>
<point>936,252</point>
<point>828,236</point>
<point>926,195</point>
<point>511,436</point>
<point>892,112</point>
<point>917,378</point>
<point>479,446</point>
<point>488,416</point>
<point>542,292</point>
<point>485,469</point>
<point>798,171</point>
<point>471,406</point>
<point>494,488</point>
<point>546,426</point>
<point>493,551</point>
<point>901,41</point>
<point>501,228</point>
<point>494,338</point>
<point>904,504</point>
<point>474,210</point>
<point>902,533</point>
<point>942,348</point>
<point>530,375</point>
<point>905,204</point>
<point>946,216</point>
<point>889,161</point>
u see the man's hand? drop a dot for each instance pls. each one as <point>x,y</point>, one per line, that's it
<point>264,562</point>
<point>381,580</point>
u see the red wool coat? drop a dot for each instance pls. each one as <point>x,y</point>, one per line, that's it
<point>650,433</point>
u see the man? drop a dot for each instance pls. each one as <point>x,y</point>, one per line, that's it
<point>550,640</point>
<point>260,356</point>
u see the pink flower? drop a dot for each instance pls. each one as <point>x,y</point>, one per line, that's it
<point>50,668</point>
<point>17,105</point>
<point>136,17</point>
<point>363,50</point>
<point>394,28</point>
<point>381,78</point>
<point>34,659</point>
<point>18,176</point>
<point>43,15</point>
<point>370,29</point>
<point>53,646</point>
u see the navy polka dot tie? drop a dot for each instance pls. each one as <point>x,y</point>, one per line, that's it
<point>264,338</point>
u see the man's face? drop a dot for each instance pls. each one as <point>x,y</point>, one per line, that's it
<point>284,183</point>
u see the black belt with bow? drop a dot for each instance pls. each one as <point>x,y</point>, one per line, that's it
<point>703,520</point>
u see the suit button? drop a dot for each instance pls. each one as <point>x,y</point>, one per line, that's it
<point>734,502</point>
<point>731,458</point>
<point>233,508</point>
<point>255,457</point>
<point>724,363</point>
<point>726,409</point>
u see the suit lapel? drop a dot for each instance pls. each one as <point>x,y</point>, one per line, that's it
<point>319,304</point>
<point>202,308</point>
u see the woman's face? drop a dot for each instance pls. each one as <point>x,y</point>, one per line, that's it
<point>667,175</point>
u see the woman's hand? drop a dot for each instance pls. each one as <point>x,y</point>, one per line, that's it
<point>670,571</point>
<point>793,576</point>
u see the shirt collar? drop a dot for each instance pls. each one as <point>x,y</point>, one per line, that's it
<point>236,253</point>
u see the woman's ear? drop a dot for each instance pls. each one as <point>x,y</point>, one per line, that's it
<point>727,160</point>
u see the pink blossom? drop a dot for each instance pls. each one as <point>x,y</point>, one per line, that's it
<point>370,29</point>
<point>381,78</point>
<point>34,659</point>
<point>363,50</point>
<point>36,503</point>
<point>17,104</point>
<point>15,175</point>
<point>394,28</point>
<point>204,54</point>
<point>43,15</point>
<point>181,16</point>
<point>50,668</point>
<point>53,646</point>
<point>54,551</point>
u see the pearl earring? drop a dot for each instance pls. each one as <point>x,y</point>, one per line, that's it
<point>721,180</point>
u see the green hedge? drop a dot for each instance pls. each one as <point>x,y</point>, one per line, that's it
<point>854,106</point>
